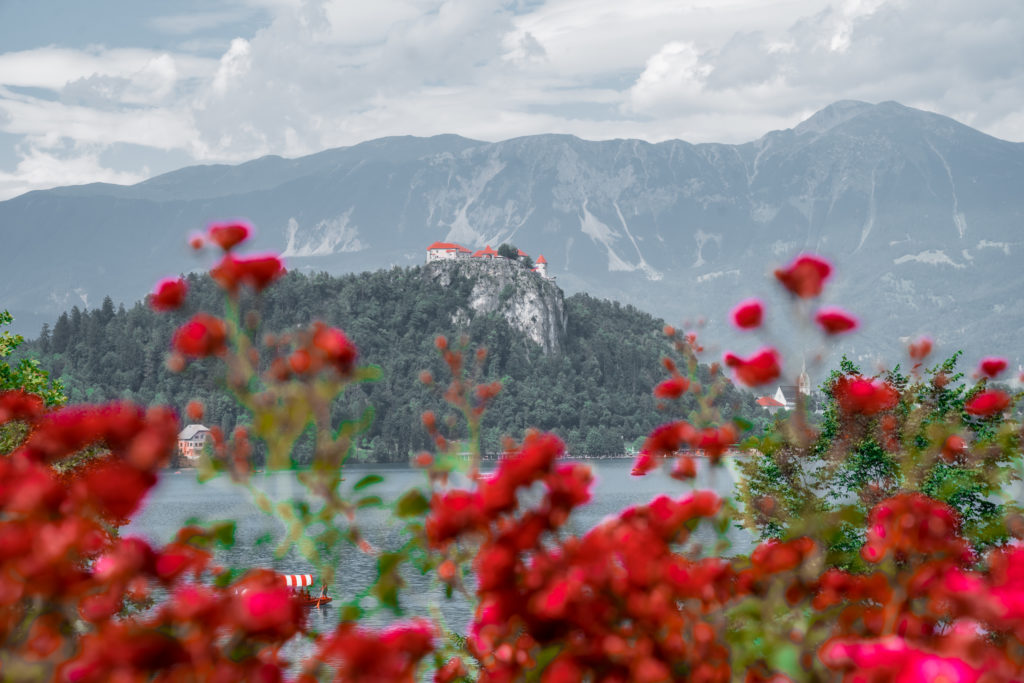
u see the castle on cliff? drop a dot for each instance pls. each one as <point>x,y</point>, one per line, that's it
<point>450,251</point>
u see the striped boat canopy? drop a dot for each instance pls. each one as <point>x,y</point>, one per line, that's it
<point>298,580</point>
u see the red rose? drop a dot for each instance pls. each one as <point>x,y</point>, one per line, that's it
<point>203,335</point>
<point>255,272</point>
<point>834,320</point>
<point>672,388</point>
<point>920,349</point>
<point>229,235</point>
<point>805,276</point>
<point>760,368</point>
<point>334,347</point>
<point>747,314</point>
<point>168,295</point>
<point>864,396</point>
<point>992,366</point>
<point>988,403</point>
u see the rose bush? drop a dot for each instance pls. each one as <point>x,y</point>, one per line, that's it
<point>886,552</point>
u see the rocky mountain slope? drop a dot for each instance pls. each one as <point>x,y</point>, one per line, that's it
<point>922,215</point>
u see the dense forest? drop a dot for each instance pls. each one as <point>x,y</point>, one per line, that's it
<point>596,394</point>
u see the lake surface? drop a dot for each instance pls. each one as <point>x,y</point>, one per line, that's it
<point>179,497</point>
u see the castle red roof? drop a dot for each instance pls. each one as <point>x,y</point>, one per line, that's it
<point>446,245</point>
<point>521,252</point>
<point>487,251</point>
<point>541,259</point>
<point>769,402</point>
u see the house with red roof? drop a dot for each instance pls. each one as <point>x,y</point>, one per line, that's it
<point>771,404</point>
<point>787,396</point>
<point>487,252</point>
<point>446,251</point>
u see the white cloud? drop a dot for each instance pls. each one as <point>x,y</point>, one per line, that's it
<point>153,83</point>
<point>39,169</point>
<point>41,120</point>
<point>55,67</point>
<point>844,21</point>
<point>235,64</point>
<point>323,73</point>
<point>354,23</point>
<point>673,75</point>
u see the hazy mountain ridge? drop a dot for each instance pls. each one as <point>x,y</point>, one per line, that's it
<point>923,216</point>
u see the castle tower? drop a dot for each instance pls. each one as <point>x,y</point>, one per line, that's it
<point>541,266</point>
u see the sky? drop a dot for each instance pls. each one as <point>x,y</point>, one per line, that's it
<point>121,90</point>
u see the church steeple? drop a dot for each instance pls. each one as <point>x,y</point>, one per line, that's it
<point>803,382</point>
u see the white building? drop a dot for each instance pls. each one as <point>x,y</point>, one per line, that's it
<point>191,440</point>
<point>787,395</point>
<point>445,251</point>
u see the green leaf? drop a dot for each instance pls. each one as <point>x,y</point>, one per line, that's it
<point>412,504</point>
<point>545,657</point>
<point>369,501</point>
<point>225,579</point>
<point>351,612</point>
<point>388,580</point>
<point>785,657</point>
<point>389,561</point>
<point>368,480</point>
<point>224,534</point>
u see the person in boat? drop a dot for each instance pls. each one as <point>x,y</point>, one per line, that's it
<point>323,590</point>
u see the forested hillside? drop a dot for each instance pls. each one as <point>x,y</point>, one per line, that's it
<point>596,393</point>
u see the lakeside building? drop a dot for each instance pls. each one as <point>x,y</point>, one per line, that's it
<point>786,396</point>
<point>191,440</point>
<point>771,404</point>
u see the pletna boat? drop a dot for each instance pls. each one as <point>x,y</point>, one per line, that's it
<point>300,583</point>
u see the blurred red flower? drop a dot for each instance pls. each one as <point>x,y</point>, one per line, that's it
<point>673,387</point>
<point>168,295</point>
<point>760,368</point>
<point>255,272</point>
<point>229,235</point>
<point>805,276</point>
<point>988,403</point>
<point>864,396</point>
<point>835,320</point>
<point>991,366</point>
<point>747,314</point>
<point>203,335</point>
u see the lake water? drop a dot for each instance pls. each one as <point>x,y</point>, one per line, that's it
<point>179,497</point>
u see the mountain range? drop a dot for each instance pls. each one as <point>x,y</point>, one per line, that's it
<point>923,217</point>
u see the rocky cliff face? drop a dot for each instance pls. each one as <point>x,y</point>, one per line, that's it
<point>530,304</point>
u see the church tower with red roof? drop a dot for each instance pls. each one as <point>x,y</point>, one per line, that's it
<point>541,266</point>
